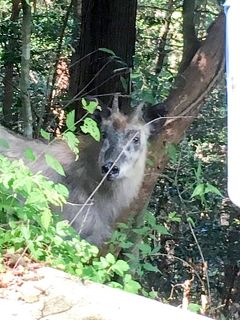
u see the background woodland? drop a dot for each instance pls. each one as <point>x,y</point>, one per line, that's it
<point>184,246</point>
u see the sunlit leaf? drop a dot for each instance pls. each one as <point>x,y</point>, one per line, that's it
<point>54,164</point>
<point>199,190</point>
<point>46,135</point>
<point>211,189</point>
<point>70,121</point>
<point>90,126</point>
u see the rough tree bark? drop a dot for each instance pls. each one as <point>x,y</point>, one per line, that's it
<point>25,68</point>
<point>104,24</point>
<point>182,105</point>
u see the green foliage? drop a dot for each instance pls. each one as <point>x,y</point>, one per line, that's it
<point>194,307</point>
<point>143,261</point>
<point>46,135</point>
<point>27,222</point>
<point>90,106</point>
<point>90,126</point>
<point>36,193</point>
<point>70,121</point>
<point>54,164</point>
<point>72,141</point>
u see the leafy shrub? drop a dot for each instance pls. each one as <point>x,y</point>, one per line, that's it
<point>27,224</point>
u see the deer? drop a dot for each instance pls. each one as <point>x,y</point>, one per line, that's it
<point>106,178</point>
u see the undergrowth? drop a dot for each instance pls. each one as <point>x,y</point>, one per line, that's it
<point>28,225</point>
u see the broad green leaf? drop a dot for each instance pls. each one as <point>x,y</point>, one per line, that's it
<point>25,232</point>
<point>142,231</point>
<point>46,135</point>
<point>90,106</point>
<point>194,307</point>
<point>72,141</point>
<point>110,258</point>
<point>61,189</point>
<point>70,121</point>
<point>46,218</point>
<point>149,267</point>
<point>211,189</point>
<point>145,248</point>
<point>149,217</point>
<point>199,190</point>
<point>29,154</point>
<point>114,284</point>
<point>161,229</point>
<point>120,267</point>
<point>173,216</point>
<point>90,126</point>
<point>54,164</point>
<point>131,285</point>
<point>4,143</point>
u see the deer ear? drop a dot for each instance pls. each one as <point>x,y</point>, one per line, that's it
<point>137,114</point>
<point>155,116</point>
<point>115,104</point>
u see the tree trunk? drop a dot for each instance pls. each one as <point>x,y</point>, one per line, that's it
<point>25,68</point>
<point>163,40</point>
<point>183,104</point>
<point>111,25</point>
<point>190,41</point>
<point>9,68</point>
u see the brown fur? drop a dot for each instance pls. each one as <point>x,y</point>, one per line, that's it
<point>93,221</point>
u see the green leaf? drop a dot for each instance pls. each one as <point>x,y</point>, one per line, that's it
<point>173,216</point>
<point>29,154</point>
<point>70,121</point>
<point>61,189</point>
<point>72,141</point>
<point>161,229</point>
<point>149,267</point>
<point>25,232</point>
<point>120,267</point>
<point>131,285</point>
<point>145,248</point>
<point>194,307</point>
<point>90,106</point>
<point>199,190</point>
<point>90,126</point>
<point>110,258</point>
<point>142,231</point>
<point>149,217</point>
<point>4,143</point>
<point>46,135</point>
<point>107,51</point>
<point>211,189</point>
<point>54,164</point>
<point>46,218</point>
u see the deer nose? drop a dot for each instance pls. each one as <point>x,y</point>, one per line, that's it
<point>114,171</point>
